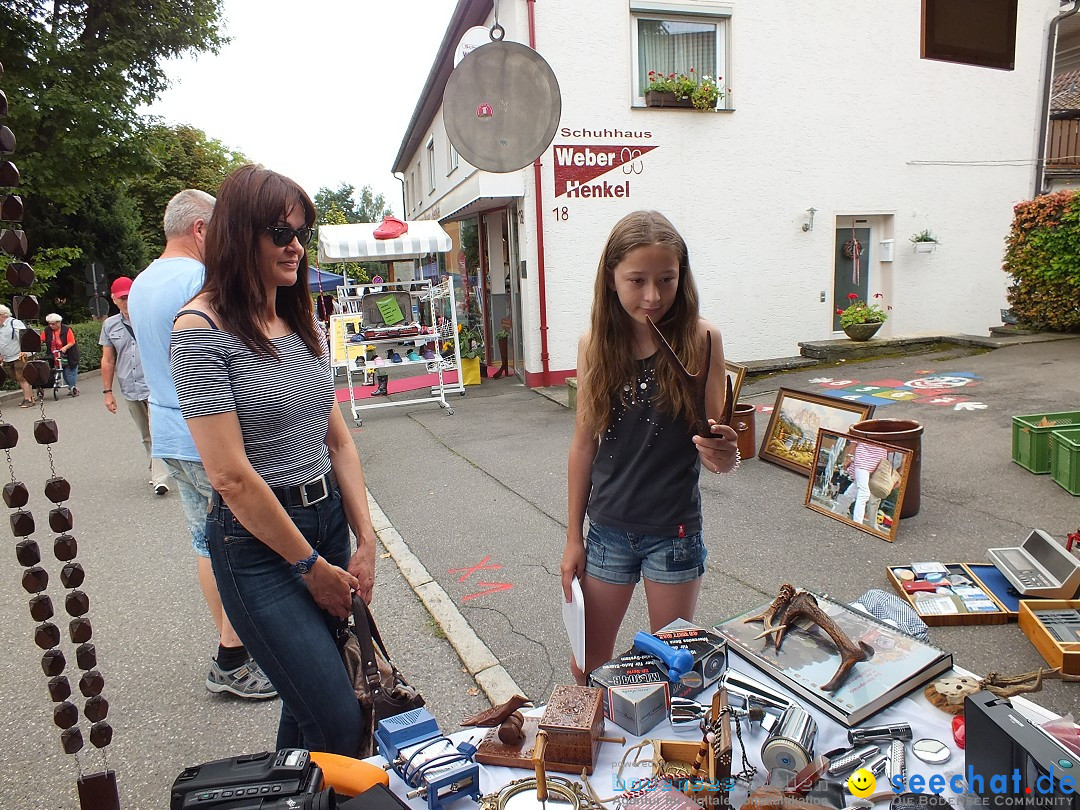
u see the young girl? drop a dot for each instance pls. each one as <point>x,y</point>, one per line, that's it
<point>634,459</point>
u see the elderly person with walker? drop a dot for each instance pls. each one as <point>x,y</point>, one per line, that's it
<point>253,378</point>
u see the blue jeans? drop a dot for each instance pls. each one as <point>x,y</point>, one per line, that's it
<point>70,374</point>
<point>287,634</point>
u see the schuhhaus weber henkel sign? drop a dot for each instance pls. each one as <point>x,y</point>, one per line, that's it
<point>597,170</point>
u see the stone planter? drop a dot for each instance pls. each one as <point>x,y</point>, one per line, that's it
<point>862,331</point>
<point>660,98</point>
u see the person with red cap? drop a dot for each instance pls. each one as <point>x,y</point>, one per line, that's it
<point>121,367</point>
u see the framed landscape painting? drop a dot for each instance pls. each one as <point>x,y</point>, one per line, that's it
<point>796,417</point>
<point>834,490</point>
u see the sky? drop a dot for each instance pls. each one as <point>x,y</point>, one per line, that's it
<point>318,90</point>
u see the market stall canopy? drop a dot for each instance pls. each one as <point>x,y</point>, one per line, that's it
<point>319,280</point>
<point>355,242</point>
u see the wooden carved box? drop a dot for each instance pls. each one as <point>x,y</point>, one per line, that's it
<point>574,722</point>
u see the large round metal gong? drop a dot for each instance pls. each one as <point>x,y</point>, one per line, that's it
<point>501,106</point>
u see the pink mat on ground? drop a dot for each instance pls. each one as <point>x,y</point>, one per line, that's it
<point>395,385</point>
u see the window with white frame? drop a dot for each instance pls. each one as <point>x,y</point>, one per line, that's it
<point>415,197</point>
<point>680,37</point>
<point>431,163</point>
<point>451,157</point>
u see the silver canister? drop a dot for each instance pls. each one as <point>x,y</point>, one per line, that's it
<point>791,743</point>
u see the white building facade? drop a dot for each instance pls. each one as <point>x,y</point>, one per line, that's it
<point>834,125</point>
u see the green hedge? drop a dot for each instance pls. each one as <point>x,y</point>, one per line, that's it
<point>1042,254</point>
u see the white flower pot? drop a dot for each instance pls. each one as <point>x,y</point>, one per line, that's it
<point>925,247</point>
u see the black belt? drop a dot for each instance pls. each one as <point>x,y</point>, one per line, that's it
<point>315,490</point>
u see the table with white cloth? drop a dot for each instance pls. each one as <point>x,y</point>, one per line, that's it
<point>914,709</point>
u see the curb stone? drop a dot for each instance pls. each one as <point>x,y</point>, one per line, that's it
<point>489,675</point>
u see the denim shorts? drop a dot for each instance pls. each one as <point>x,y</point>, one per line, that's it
<point>619,557</point>
<point>195,492</point>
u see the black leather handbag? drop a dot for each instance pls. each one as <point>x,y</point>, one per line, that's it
<point>380,687</point>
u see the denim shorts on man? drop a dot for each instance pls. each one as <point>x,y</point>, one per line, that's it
<point>619,557</point>
<point>195,492</point>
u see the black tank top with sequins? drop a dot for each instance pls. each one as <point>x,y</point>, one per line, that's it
<point>645,474</point>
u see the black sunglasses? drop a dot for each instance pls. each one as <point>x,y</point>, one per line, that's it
<point>282,235</point>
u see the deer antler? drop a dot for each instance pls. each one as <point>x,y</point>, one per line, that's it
<point>776,610</point>
<point>804,605</point>
<point>696,384</point>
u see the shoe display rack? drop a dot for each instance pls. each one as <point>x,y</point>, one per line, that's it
<point>364,346</point>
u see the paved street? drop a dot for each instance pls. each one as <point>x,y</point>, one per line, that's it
<point>479,499</point>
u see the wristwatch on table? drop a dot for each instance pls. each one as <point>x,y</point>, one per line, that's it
<point>305,565</point>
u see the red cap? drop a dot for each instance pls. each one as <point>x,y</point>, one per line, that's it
<point>121,286</point>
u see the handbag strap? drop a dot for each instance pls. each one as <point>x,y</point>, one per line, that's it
<point>367,633</point>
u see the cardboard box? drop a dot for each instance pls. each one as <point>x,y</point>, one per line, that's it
<point>634,670</point>
<point>708,648</point>
<point>1056,653</point>
<point>638,708</point>
<point>983,575</point>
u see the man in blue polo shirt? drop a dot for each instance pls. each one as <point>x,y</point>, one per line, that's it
<point>157,294</point>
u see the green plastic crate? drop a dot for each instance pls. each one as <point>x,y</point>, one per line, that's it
<point>1065,458</point>
<point>1029,435</point>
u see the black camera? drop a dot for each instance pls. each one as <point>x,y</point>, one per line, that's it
<point>288,780</point>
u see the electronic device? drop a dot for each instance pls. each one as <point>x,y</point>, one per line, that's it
<point>1040,566</point>
<point>264,781</point>
<point>436,769</point>
<point>1025,764</point>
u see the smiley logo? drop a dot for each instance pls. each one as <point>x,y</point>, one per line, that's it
<point>861,783</point>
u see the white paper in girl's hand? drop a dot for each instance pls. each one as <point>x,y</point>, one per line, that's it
<point>573,616</point>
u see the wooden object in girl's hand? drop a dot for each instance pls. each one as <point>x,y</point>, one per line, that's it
<point>697,385</point>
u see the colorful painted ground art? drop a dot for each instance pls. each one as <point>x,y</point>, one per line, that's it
<point>951,389</point>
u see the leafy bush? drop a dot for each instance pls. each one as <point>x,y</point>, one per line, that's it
<point>86,335</point>
<point>1042,254</point>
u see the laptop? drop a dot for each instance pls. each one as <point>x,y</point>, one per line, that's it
<point>1039,567</point>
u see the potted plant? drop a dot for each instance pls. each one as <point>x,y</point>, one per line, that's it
<point>682,90</point>
<point>471,341</point>
<point>860,321</point>
<point>924,241</point>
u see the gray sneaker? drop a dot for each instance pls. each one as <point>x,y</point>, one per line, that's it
<point>246,681</point>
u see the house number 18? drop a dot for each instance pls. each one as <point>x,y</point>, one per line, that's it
<point>561,214</point>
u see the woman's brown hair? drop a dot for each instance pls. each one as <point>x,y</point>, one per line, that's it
<point>610,353</point>
<point>250,200</point>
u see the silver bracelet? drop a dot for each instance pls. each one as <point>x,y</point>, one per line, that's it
<point>738,462</point>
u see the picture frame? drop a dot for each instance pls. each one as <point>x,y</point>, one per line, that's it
<point>791,435</point>
<point>833,489</point>
<point>735,373</point>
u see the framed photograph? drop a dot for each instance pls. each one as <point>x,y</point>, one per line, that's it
<point>735,373</point>
<point>795,420</point>
<point>859,482</point>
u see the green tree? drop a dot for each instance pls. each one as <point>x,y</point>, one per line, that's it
<point>75,74</point>
<point>178,157</point>
<point>340,207</point>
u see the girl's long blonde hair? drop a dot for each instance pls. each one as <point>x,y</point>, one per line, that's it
<point>610,352</point>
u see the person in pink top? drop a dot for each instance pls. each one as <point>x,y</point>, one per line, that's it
<point>864,462</point>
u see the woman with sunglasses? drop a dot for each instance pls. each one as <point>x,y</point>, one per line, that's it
<point>253,378</point>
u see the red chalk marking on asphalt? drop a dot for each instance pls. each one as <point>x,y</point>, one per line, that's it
<point>492,587</point>
<point>480,566</point>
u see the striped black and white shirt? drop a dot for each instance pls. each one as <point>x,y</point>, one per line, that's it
<point>283,404</point>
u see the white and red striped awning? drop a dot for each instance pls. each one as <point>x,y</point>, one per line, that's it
<point>355,243</point>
